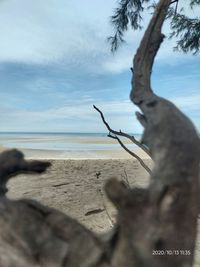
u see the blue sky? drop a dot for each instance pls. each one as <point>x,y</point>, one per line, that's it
<point>55,64</point>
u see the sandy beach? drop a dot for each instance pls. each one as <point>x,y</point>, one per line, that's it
<point>76,187</point>
<point>75,181</point>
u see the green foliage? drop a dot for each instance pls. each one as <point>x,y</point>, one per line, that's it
<point>188,32</point>
<point>129,14</point>
<point>194,2</point>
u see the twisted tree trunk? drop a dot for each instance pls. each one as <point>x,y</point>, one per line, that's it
<point>175,148</point>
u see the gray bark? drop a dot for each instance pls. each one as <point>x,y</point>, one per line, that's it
<point>175,148</point>
<point>114,135</point>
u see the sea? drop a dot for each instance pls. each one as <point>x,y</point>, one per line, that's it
<point>83,143</point>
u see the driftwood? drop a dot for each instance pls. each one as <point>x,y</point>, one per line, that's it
<point>175,148</point>
<point>123,134</point>
<point>34,235</point>
<point>156,226</point>
<point>115,135</point>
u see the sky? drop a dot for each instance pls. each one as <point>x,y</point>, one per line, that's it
<point>55,63</point>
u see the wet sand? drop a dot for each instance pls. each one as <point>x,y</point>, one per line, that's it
<point>90,154</point>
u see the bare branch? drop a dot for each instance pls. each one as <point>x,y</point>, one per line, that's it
<point>176,8</point>
<point>111,222</point>
<point>125,179</point>
<point>131,153</point>
<point>120,133</point>
<point>174,1</point>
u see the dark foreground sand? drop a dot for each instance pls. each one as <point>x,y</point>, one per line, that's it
<point>75,187</point>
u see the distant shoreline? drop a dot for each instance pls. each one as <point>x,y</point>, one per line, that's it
<point>67,133</point>
<point>81,155</point>
<point>69,146</point>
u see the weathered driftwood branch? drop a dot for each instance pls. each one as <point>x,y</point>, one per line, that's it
<point>12,162</point>
<point>123,134</point>
<point>113,134</point>
<point>175,149</point>
<point>130,152</point>
<point>34,235</point>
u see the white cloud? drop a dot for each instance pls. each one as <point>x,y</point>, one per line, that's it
<point>188,103</point>
<point>72,33</point>
<point>37,32</point>
<point>74,116</point>
<point>80,116</point>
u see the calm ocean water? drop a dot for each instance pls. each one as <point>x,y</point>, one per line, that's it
<point>60,141</point>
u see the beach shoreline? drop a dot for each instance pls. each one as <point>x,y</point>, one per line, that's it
<point>69,146</point>
<point>79,155</point>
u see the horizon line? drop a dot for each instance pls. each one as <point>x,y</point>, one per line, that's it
<point>61,132</point>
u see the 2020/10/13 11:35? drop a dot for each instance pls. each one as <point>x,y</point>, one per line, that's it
<point>171,252</point>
